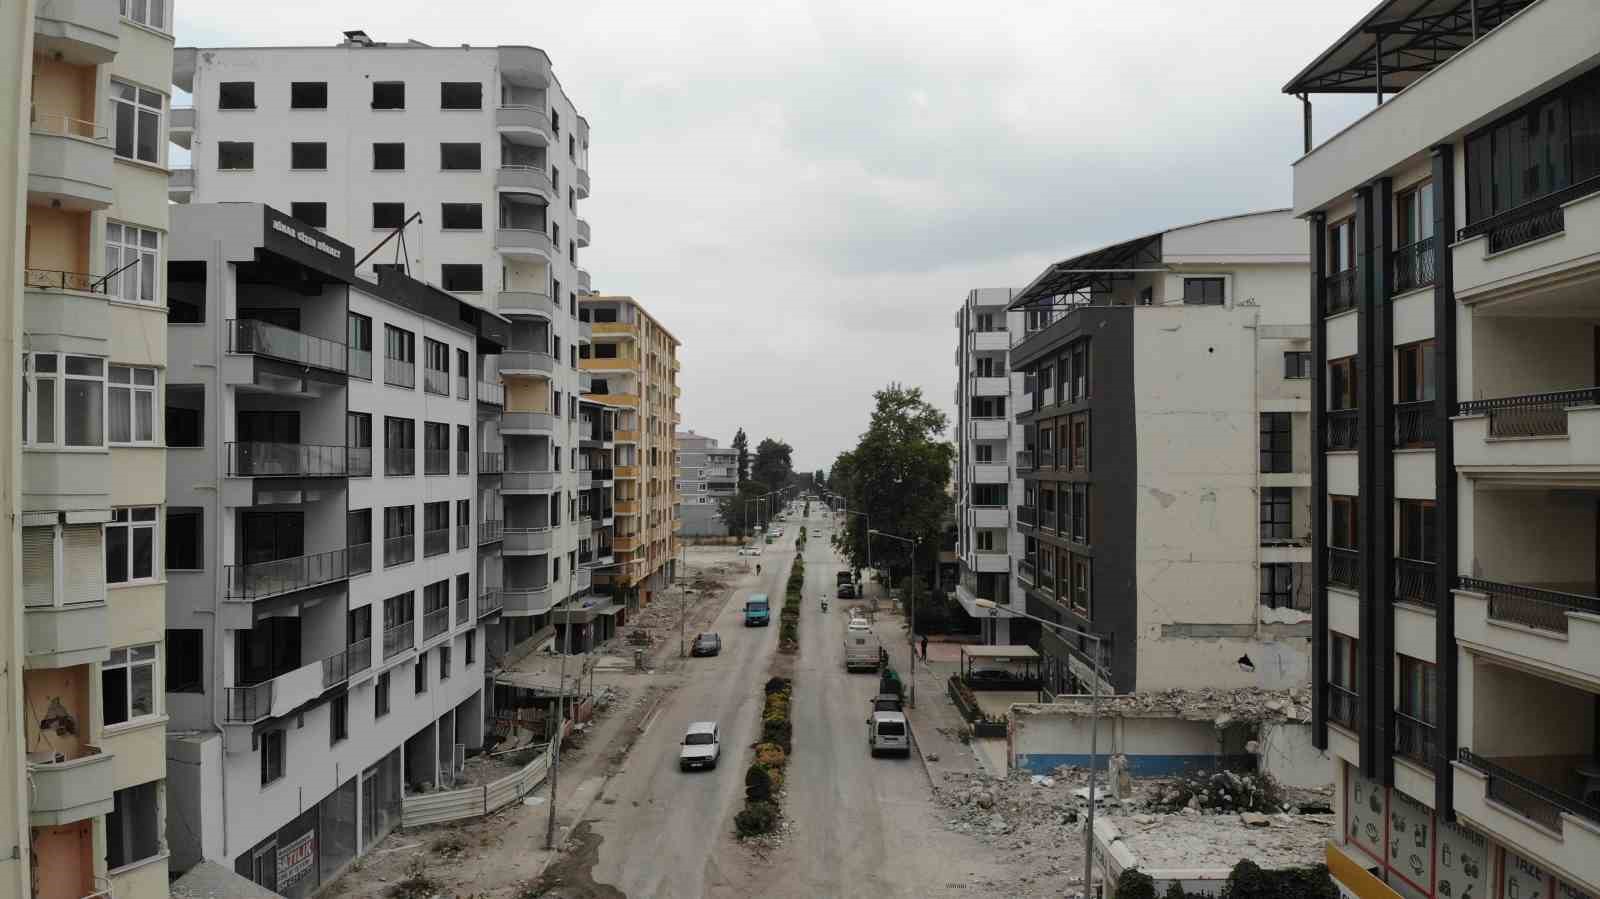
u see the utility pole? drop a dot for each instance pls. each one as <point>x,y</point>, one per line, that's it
<point>561,692</point>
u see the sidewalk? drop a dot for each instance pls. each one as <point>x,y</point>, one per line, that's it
<point>934,721</point>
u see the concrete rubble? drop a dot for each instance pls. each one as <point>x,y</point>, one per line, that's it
<point>1219,706</point>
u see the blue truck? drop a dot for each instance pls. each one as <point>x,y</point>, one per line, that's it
<point>756,611</point>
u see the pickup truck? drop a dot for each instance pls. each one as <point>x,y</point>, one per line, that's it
<point>861,650</point>
<point>757,612</point>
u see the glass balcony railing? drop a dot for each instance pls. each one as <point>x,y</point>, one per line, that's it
<point>259,580</point>
<point>436,461</point>
<point>436,382</point>
<point>435,622</point>
<point>435,542</point>
<point>398,639</point>
<point>360,555</point>
<point>268,460</point>
<point>399,550</point>
<point>399,373</point>
<point>359,654</point>
<point>258,338</point>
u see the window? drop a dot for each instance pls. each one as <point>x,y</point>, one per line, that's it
<point>1418,523</point>
<point>358,537</point>
<point>128,684</point>
<point>186,293</point>
<point>985,541</point>
<point>309,155</point>
<point>463,451</point>
<point>62,565</point>
<point>457,157</point>
<point>1296,365</point>
<point>339,719</point>
<point>388,95</point>
<point>186,405</point>
<point>555,121</point>
<point>358,443</point>
<point>436,447</point>
<point>1342,246</point>
<point>1203,291</point>
<point>308,95</point>
<point>461,216</point>
<point>572,199</point>
<point>272,744</point>
<point>420,674</point>
<point>399,537</point>
<point>436,365</point>
<point>388,216</point>
<point>185,660</point>
<point>313,214</point>
<point>133,826</point>
<point>1342,384</point>
<point>1082,589</point>
<point>1277,585</point>
<point>1277,514</point>
<point>1414,375</point>
<point>460,95</point>
<point>555,184</point>
<point>132,398</point>
<point>462,278</point>
<point>472,647</point>
<point>1277,443</point>
<point>236,95</point>
<point>444,663</point>
<point>400,357</point>
<point>149,13</point>
<point>399,446</point>
<point>1078,436</point>
<point>131,545</point>
<point>133,256</point>
<point>572,147</point>
<point>185,539</point>
<point>1344,679</point>
<point>236,155</point>
<point>380,696</point>
<point>1414,214</point>
<point>1077,518</point>
<point>388,157</point>
<point>1343,529</point>
<point>137,122</point>
<point>1418,689</point>
<point>358,342</point>
<point>1078,355</point>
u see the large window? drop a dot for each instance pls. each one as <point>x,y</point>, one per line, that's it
<point>1343,384</point>
<point>185,660</point>
<point>186,415</point>
<point>388,157</point>
<point>133,256</point>
<point>1277,514</point>
<point>1342,246</point>
<point>1078,357</point>
<point>400,357</point>
<point>399,536</point>
<point>308,155</point>
<point>436,362</point>
<point>1414,214</point>
<point>455,157</point>
<point>461,216</point>
<point>62,565</point>
<point>460,95</point>
<point>399,446</point>
<point>185,539</point>
<point>1082,588</point>
<point>380,696</point>
<point>1542,148</point>
<point>388,95</point>
<point>236,95</point>
<point>1296,365</point>
<point>1277,443</point>
<point>63,400</point>
<point>236,155</point>
<point>1277,585</point>
<point>1203,291</point>
<point>137,122</point>
<point>132,398</point>
<point>358,443</point>
<point>314,214</point>
<point>274,746</point>
<point>149,13</point>
<point>1343,530</point>
<point>134,825</point>
<point>1078,441</point>
<point>131,545</point>
<point>461,278</point>
<point>1414,374</point>
<point>1418,689</point>
<point>388,216</point>
<point>308,95</point>
<point>128,686</point>
<point>1418,523</point>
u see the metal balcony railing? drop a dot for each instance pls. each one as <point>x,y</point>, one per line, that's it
<point>490,601</point>
<point>1531,414</point>
<point>1028,515</point>
<point>1413,265</point>
<point>400,462</point>
<point>1026,572</point>
<point>360,556</point>
<point>1530,221</point>
<point>268,460</point>
<point>1414,581</point>
<point>493,394</point>
<point>1534,607</point>
<point>248,704</point>
<point>358,461</point>
<point>259,580</point>
<point>435,542</point>
<point>1344,567</point>
<point>399,550</point>
<point>1414,425</point>
<point>359,654</point>
<point>1339,429</point>
<point>436,461</point>
<point>398,639</point>
<point>1415,739</point>
<point>1540,803</point>
<point>399,373</point>
<point>490,531</point>
<point>1344,706</point>
<point>491,463</point>
<point>602,474</point>
<point>336,669</point>
<point>1339,292</point>
<point>435,622</point>
<point>258,338</point>
<point>436,382</point>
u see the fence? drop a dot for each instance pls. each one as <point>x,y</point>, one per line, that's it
<point>473,802</point>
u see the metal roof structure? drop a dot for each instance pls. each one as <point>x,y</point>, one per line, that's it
<point>1399,42</point>
<point>1091,272</point>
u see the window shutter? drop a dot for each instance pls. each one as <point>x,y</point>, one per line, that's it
<point>85,578</point>
<point>39,566</point>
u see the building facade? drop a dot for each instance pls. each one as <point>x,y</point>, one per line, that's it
<point>632,366</point>
<point>987,480</point>
<point>88,331</point>
<point>324,648</point>
<point>707,475</point>
<point>492,155</point>
<point>1455,292</point>
<point>1165,458</point>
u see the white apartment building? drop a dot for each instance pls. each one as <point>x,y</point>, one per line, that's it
<point>1455,234</point>
<point>986,480</point>
<point>325,655</point>
<point>485,146</point>
<point>707,474</point>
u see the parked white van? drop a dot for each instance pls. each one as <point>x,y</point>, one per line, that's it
<point>887,732</point>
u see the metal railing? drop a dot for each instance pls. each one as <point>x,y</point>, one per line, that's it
<point>399,373</point>
<point>1531,414</point>
<point>490,531</point>
<point>1415,739</point>
<point>360,556</point>
<point>399,550</point>
<point>359,654</point>
<point>358,461</point>
<point>400,461</point>
<point>1028,515</point>
<point>435,542</point>
<point>1024,460</point>
<point>1414,580</point>
<point>491,463</point>
<point>1339,292</point>
<point>247,336</point>
<point>436,461</point>
<point>1344,567</point>
<point>1344,706</point>
<point>1414,425</point>
<point>493,394</point>
<point>248,704</point>
<point>1534,607</point>
<point>463,536</point>
<point>1533,800</point>
<point>435,622</point>
<point>1530,221</point>
<point>59,123</point>
<point>1339,429</point>
<point>398,639</point>
<point>360,364</point>
<point>267,460</point>
<point>259,580</point>
<point>1025,572</point>
<point>1413,265</point>
<point>336,669</point>
<point>490,601</point>
<point>435,382</point>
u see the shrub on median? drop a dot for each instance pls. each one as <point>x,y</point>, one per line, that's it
<point>757,784</point>
<point>756,819</point>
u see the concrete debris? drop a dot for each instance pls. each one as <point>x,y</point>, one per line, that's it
<point>1219,841</point>
<point>1219,706</point>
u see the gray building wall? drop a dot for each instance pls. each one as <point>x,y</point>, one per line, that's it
<point>706,474</point>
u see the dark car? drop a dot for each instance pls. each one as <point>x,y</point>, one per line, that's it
<point>847,590</point>
<point>707,645</point>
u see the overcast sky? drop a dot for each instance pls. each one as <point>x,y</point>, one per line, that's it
<point>804,192</point>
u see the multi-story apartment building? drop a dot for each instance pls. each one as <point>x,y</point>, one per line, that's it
<point>86,302</point>
<point>323,645</point>
<point>491,154</point>
<point>1455,233</point>
<point>986,481</point>
<point>1165,458</point>
<point>707,475</point>
<point>632,365</point>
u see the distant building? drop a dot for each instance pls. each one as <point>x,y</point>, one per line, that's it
<point>707,474</point>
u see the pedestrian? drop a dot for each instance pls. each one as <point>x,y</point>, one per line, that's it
<point>758,568</point>
<point>924,647</point>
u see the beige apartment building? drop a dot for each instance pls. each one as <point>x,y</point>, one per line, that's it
<point>632,367</point>
<point>86,472</point>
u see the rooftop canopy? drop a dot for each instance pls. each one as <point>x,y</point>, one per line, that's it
<point>1091,272</point>
<point>1002,653</point>
<point>1399,42</point>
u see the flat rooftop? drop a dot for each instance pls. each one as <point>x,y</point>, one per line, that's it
<point>1159,843</point>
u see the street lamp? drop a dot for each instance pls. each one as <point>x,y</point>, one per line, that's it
<point>1098,670</point>
<point>911,635</point>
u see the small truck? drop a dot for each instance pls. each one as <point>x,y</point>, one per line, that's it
<point>757,611</point>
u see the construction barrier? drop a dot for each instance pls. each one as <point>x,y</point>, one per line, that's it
<point>473,802</point>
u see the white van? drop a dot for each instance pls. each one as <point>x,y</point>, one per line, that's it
<point>887,732</point>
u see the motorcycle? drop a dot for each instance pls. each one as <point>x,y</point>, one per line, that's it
<point>824,603</point>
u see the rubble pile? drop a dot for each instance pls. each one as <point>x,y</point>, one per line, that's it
<point>1220,706</point>
<point>1033,823</point>
<point>1221,791</point>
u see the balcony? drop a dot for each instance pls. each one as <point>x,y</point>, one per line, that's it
<point>580,183</point>
<point>1414,581</point>
<point>527,482</point>
<point>991,562</point>
<point>261,580</point>
<point>603,475</point>
<point>525,179</point>
<point>82,32</point>
<point>1557,632</point>
<point>490,601</point>
<point>258,338</point>
<point>526,362</point>
<point>1533,802</point>
<point>1415,739</point>
<point>1339,292</point>
<point>287,460</point>
<point>525,125</point>
<point>625,543</point>
<point>990,473</point>
<point>491,463</point>
<point>1027,573</point>
<point>627,472</point>
<point>1344,568</point>
<point>281,695</point>
<point>399,550</point>
<point>616,329</point>
<point>180,184</point>
<point>491,531</point>
<point>991,341</point>
<point>1534,256</point>
<point>67,635</point>
<point>1536,608</point>
<point>522,602</point>
<point>491,394</point>
<point>1028,516</point>
<point>580,233</point>
<point>435,542</point>
<point>181,129</point>
<point>1344,707</point>
<point>1414,425</point>
<point>627,507</point>
<point>988,429</point>
<point>70,790</point>
<point>435,623</point>
<point>398,639</point>
<point>623,435</point>
<point>526,541</point>
<point>69,165</point>
<point>991,386</point>
<point>527,424</point>
<point>1025,460</point>
<point>990,516</point>
<point>524,242</point>
<point>1551,438</point>
<point>1339,429</point>
<point>436,382</point>
<point>399,373</point>
<point>1413,265</point>
<point>585,284</point>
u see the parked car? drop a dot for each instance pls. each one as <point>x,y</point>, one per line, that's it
<point>702,746</point>
<point>847,590</point>
<point>750,549</point>
<point>887,732</point>
<point>707,645</point>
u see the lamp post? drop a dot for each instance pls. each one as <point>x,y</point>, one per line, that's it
<point>1098,670</point>
<point>911,634</point>
<point>683,594</point>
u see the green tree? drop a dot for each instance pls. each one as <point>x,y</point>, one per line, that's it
<point>742,444</point>
<point>773,464</point>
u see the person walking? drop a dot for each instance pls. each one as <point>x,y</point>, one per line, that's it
<point>924,647</point>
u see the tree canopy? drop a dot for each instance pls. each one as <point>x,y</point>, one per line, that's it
<point>773,464</point>
<point>742,444</point>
